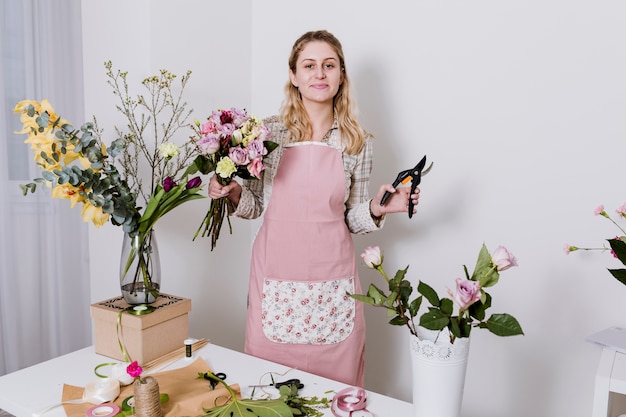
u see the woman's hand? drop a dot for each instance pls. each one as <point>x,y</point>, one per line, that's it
<point>398,201</point>
<point>232,190</point>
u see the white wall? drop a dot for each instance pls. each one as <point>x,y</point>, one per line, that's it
<point>520,105</point>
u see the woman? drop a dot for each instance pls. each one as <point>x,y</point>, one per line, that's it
<point>313,193</point>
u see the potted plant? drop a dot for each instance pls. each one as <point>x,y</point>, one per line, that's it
<point>440,338</point>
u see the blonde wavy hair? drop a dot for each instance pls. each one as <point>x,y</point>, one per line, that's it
<point>293,113</point>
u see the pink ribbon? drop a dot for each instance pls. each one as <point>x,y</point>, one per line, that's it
<point>349,400</point>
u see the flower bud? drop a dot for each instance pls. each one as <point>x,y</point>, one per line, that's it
<point>503,259</point>
<point>372,256</point>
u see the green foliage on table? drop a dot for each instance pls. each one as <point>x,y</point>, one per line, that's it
<point>302,406</point>
<point>246,407</point>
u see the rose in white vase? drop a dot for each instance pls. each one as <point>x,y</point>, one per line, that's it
<point>470,297</point>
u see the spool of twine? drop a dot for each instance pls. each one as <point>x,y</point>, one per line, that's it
<point>147,398</point>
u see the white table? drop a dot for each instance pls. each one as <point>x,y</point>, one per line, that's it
<point>610,380</point>
<point>36,387</point>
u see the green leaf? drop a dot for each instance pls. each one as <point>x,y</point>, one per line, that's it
<point>247,407</point>
<point>269,145</point>
<point>398,321</point>
<point>376,294</point>
<point>503,325</point>
<point>619,274</point>
<point>447,306</point>
<point>434,319</point>
<point>251,408</point>
<point>415,306</point>
<point>429,293</point>
<point>485,272</point>
<point>619,248</point>
<point>363,298</point>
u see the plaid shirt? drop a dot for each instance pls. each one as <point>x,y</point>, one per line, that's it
<point>255,194</point>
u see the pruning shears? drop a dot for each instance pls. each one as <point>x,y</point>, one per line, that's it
<point>415,176</point>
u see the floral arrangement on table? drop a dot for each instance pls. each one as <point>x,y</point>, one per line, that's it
<point>617,244</point>
<point>106,180</point>
<point>230,143</point>
<point>470,297</point>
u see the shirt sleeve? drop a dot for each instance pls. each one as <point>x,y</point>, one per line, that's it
<point>358,216</point>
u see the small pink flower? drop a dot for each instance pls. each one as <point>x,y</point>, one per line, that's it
<point>372,256</point>
<point>134,369</point>
<point>503,259</point>
<point>208,127</point>
<point>599,211</point>
<point>569,248</point>
<point>621,210</point>
<point>467,293</point>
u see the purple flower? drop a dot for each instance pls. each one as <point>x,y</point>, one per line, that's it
<point>467,293</point>
<point>193,183</point>
<point>256,149</point>
<point>209,144</point>
<point>238,155</point>
<point>168,184</point>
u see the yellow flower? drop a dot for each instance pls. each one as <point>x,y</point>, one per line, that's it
<point>69,192</point>
<point>225,167</point>
<point>93,214</point>
<point>29,122</point>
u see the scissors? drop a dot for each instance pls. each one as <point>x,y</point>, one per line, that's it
<point>213,382</point>
<point>294,381</point>
<point>415,176</point>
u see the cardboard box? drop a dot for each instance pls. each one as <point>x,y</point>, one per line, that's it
<point>145,336</point>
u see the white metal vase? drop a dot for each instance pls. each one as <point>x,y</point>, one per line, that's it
<point>438,373</point>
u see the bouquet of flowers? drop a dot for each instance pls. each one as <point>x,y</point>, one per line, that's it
<point>470,297</point>
<point>230,143</point>
<point>617,245</point>
<point>79,167</point>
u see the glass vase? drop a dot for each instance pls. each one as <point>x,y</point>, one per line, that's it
<point>140,268</point>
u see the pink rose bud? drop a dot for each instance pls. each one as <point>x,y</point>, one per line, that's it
<point>503,259</point>
<point>467,293</point>
<point>372,256</point>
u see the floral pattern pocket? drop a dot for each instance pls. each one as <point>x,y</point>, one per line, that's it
<point>317,313</point>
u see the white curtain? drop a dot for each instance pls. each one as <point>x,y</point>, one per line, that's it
<point>44,265</point>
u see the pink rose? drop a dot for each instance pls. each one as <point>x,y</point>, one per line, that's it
<point>208,127</point>
<point>467,293</point>
<point>372,256</point>
<point>209,144</point>
<point>238,155</point>
<point>255,167</point>
<point>256,149</point>
<point>503,259</point>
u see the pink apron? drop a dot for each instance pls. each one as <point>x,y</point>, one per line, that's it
<point>302,265</point>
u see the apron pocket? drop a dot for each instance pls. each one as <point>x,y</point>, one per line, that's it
<point>317,313</point>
